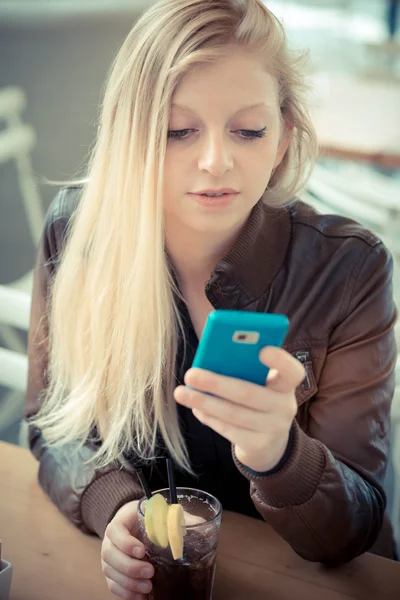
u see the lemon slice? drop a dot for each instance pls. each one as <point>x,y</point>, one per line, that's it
<point>176,530</point>
<point>155,520</point>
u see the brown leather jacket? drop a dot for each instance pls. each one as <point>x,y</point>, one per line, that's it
<point>332,278</point>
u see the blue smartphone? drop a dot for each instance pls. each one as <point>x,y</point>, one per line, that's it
<point>232,340</point>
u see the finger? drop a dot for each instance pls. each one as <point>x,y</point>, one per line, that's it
<point>223,410</point>
<point>242,438</point>
<point>291,372</point>
<point>131,567</point>
<point>143,586</point>
<point>119,536</point>
<point>235,390</point>
<point>235,435</point>
<point>121,592</point>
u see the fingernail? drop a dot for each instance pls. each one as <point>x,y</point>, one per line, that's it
<point>144,587</point>
<point>273,373</point>
<point>146,573</point>
<point>138,552</point>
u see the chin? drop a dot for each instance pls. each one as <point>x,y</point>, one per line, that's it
<point>217,222</point>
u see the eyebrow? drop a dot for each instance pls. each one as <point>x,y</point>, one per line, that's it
<point>245,108</point>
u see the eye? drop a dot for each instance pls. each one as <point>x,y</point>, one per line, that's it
<point>252,134</point>
<point>178,134</point>
<point>245,134</point>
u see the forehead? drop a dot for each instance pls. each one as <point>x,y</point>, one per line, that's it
<point>230,84</point>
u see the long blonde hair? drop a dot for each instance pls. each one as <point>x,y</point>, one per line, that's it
<point>113,319</point>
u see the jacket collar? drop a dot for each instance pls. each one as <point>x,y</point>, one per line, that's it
<point>248,269</point>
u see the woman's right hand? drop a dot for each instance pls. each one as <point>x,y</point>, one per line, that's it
<point>127,575</point>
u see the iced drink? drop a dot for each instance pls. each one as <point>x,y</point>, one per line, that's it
<point>192,576</point>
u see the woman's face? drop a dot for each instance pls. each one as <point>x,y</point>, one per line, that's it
<point>225,132</point>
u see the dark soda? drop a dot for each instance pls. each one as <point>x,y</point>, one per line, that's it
<point>190,578</point>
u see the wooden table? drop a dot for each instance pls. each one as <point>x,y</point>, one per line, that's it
<point>54,561</point>
<point>357,118</point>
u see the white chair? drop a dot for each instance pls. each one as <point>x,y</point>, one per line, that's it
<point>17,140</point>
<point>14,312</point>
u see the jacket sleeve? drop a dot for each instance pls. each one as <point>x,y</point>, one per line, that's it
<point>327,500</point>
<point>88,497</point>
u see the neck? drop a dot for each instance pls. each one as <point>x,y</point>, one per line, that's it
<point>195,254</point>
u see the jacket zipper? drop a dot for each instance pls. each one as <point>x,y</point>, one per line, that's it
<point>304,357</point>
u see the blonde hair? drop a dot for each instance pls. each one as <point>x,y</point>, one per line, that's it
<point>114,322</point>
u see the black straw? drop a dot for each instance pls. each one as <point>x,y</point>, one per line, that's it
<point>144,483</point>
<point>171,481</point>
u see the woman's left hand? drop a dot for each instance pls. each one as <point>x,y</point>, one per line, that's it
<point>254,418</point>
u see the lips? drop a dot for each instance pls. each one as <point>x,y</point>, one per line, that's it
<point>215,202</point>
<point>217,192</point>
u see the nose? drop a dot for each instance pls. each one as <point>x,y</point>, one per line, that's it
<point>215,155</point>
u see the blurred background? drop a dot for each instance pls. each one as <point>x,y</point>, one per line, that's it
<point>54,57</point>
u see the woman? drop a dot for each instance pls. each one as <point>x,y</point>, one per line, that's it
<point>190,206</point>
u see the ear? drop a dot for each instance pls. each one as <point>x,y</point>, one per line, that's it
<point>283,143</point>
